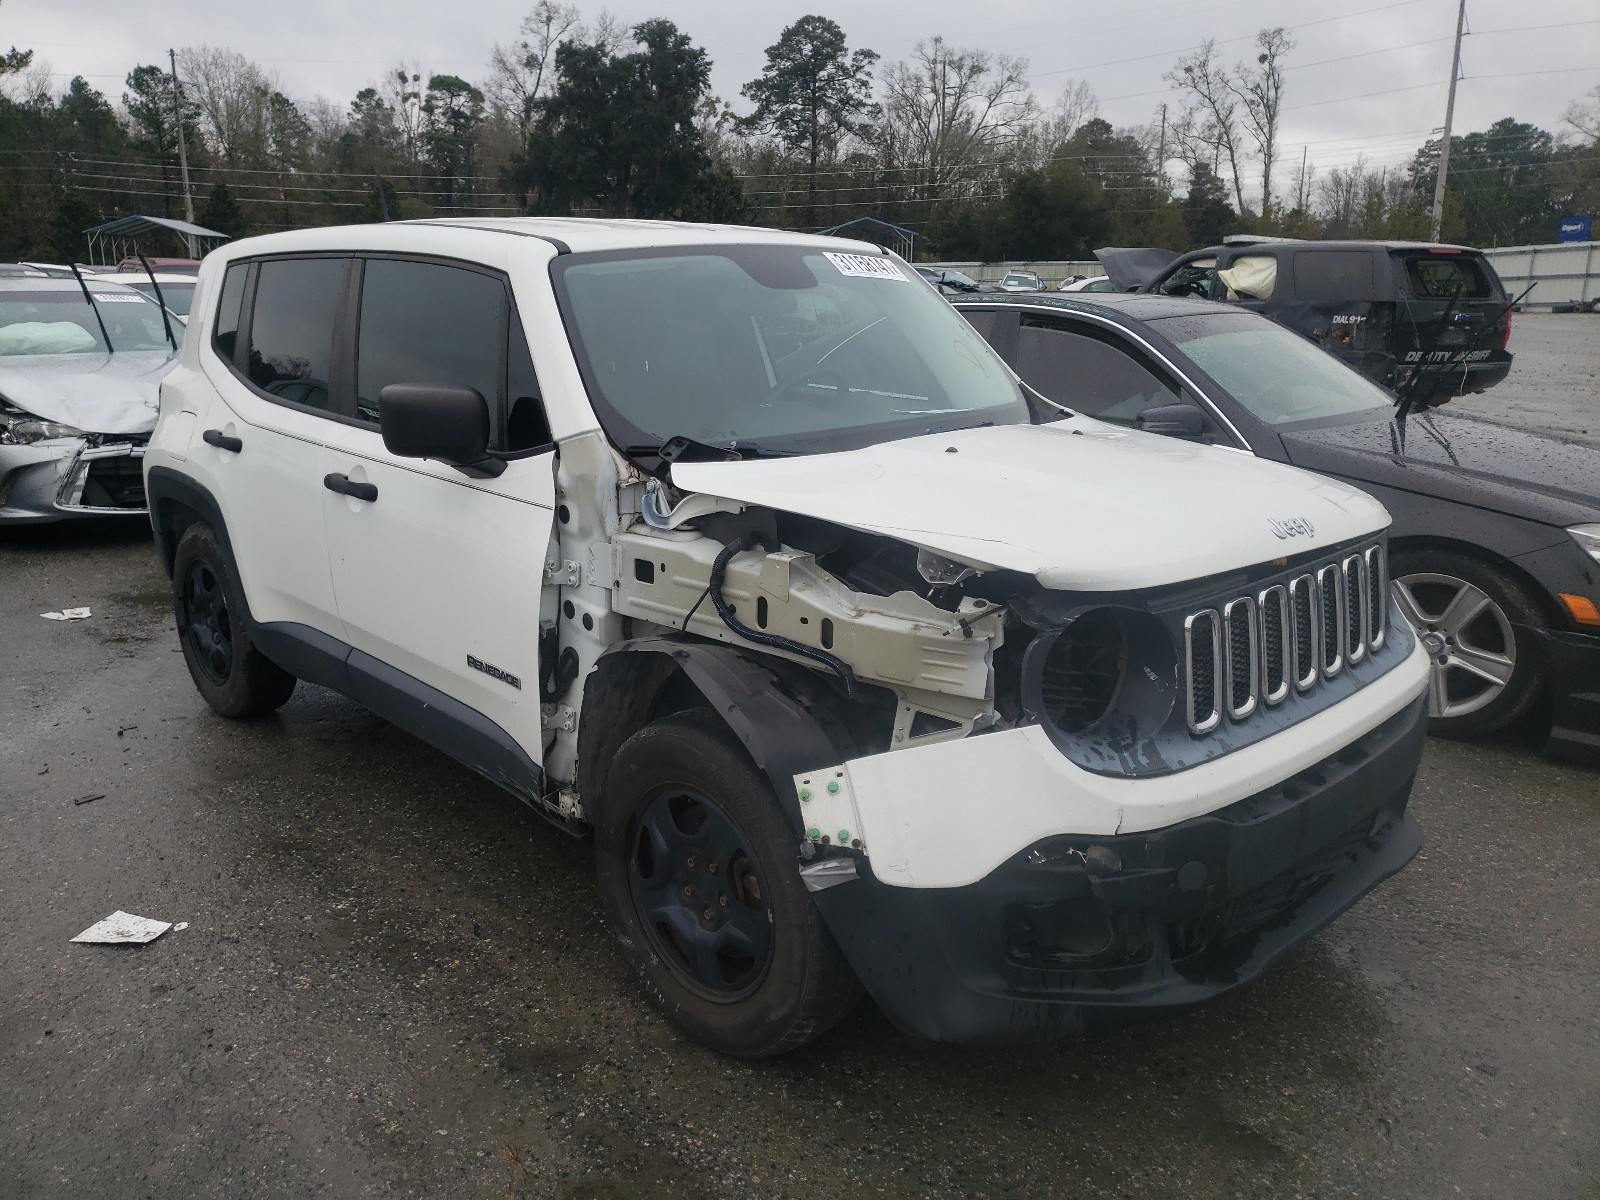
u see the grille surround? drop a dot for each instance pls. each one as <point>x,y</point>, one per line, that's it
<point>1253,652</point>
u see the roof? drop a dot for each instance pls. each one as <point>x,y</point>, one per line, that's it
<point>131,225</point>
<point>134,278</point>
<point>1138,306</point>
<point>1342,244</point>
<point>577,235</point>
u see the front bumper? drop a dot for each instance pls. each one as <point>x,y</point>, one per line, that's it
<point>67,477</point>
<point>1075,928</point>
<point>1572,661</point>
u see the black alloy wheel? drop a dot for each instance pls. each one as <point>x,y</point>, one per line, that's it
<point>209,626</point>
<point>699,893</point>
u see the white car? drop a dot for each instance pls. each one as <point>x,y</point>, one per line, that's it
<point>80,365</point>
<point>741,552</point>
<point>176,291</point>
<point>1021,281</point>
<point>1091,283</point>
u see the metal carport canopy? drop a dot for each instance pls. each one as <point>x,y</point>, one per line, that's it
<point>131,228</point>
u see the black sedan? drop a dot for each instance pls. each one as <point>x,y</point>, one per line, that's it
<point>1495,546</point>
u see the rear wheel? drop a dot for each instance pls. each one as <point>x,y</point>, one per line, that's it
<point>1483,673</point>
<point>232,676</point>
<point>699,873</point>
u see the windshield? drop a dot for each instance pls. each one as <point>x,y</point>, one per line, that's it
<point>777,348</point>
<point>61,322</point>
<point>1280,377</point>
<point>177,295</point>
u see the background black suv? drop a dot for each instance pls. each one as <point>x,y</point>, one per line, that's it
<point>1385,308</point>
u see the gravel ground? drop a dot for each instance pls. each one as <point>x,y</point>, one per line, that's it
<point>395,980</point>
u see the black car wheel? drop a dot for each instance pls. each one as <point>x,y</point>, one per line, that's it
<point>699,873</point>
<point>232,676</point>
<point>1483,674</point>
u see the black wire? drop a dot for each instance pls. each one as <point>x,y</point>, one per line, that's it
<point>778,641</point>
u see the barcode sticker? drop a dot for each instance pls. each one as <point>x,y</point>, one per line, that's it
<point>865,266</point>
<point>118,298</point>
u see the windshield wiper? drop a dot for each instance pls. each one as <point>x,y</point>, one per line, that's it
<point>687,449</point>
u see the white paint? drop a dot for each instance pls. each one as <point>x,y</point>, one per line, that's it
<point>946,815</point>
<point>1080,505</point>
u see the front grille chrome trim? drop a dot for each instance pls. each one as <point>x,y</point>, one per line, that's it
<point>1242,612</point>
<point>1330,586</point>
<point>1357,603</point>
<point>1304,599</point>
<point>1377,598</point>
<point>1205,624</point>
<point>1275,601</point>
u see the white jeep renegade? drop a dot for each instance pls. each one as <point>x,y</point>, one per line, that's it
<point>740,552</point>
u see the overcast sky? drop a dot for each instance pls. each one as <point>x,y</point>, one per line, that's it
<point>1365,77</point>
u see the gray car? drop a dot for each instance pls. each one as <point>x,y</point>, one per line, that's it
<point>78,396</point>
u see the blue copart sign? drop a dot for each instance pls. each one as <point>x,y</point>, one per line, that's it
<point>1577,229</point>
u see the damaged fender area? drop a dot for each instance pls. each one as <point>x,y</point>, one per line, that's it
<point>945,815</point>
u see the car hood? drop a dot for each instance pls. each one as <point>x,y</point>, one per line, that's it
<point>98,393</point>
<point>1080,505</point>
<point>1132,267</point>
<point>1465,459</point>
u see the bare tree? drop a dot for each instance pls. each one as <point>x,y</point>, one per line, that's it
<point>1260,89</point>
<point>521,72</point>
<point>402,92</point>
<point>953,114</point>
<point>233,96</point>
<point>1584,115</point>
<point>1044,137</point>
<point>1209,123</point>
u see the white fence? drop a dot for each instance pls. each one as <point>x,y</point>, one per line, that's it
<point>1051,272</point>
<point>1564,271</point>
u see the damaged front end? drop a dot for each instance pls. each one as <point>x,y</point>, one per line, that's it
<point>50,471</point>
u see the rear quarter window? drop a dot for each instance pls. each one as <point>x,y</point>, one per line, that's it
<point>1333,277</point>
<point>1436,276</point>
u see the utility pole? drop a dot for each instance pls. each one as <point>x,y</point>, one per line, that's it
<point>1302,203</point>
<point>183,153</point>
<point>1449,116</point>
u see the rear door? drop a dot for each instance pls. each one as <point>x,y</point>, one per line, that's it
<point>1453,308</point>
<point>438,574</point>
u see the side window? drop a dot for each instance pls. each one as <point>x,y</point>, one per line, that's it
<point>429,323</point>
<point>1191,279</point>
<point>225,335</point>
<point>526,425</point>
<point>1089,373</point>
<point>1333,276</point>
<point>291,328</point>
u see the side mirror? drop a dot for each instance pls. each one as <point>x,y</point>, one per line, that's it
<point>435,420</point>
<point>1172,420</point>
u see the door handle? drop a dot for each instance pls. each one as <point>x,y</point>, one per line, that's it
<point>342,484</point>
<point>215,437</point>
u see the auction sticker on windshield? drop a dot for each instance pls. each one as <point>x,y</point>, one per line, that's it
<point>864,266</point>
<point>108,298</point>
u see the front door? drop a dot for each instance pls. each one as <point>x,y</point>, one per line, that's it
<point>437,572</point>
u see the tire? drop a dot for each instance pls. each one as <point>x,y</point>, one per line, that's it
<point>231,675</point>
<point>1485,672</point>
<point>741,960</point>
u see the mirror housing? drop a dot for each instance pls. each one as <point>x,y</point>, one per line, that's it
<point>1172,420</point>
<point>435,420</point>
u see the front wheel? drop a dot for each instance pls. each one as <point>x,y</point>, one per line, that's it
<point>1483,674</point>
<point>699,874</point>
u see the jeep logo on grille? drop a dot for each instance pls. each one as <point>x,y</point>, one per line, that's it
<point>477,664</point>
<point>1291,527</point>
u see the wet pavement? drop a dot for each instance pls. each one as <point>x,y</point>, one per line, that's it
<point>395,980</point>
<point>1554,382</point>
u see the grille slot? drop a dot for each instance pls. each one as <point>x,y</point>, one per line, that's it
<point>1377,597</point>
<point>1330,599</point>
<point>1251,652</point>
<point>1277,648</point>
<point>1202,653</point>
<point>1355,600</point>
<point>1303,602</point>
<point>1243,656</point>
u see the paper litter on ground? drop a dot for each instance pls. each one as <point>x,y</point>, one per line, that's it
<point>123,928</point>
<point>66,614</point>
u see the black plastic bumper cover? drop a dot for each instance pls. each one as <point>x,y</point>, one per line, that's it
<point>1573,660</point>
<point>1078,928</point>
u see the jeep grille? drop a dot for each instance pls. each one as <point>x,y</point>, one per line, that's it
<point>1255,650</point>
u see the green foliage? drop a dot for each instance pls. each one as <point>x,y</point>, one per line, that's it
<point>812,94</point>
<point>222,212</point>
<point>617,134</point>
<point>452,112</point>
<point>1505,182</point>
<point>1207,215</point>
